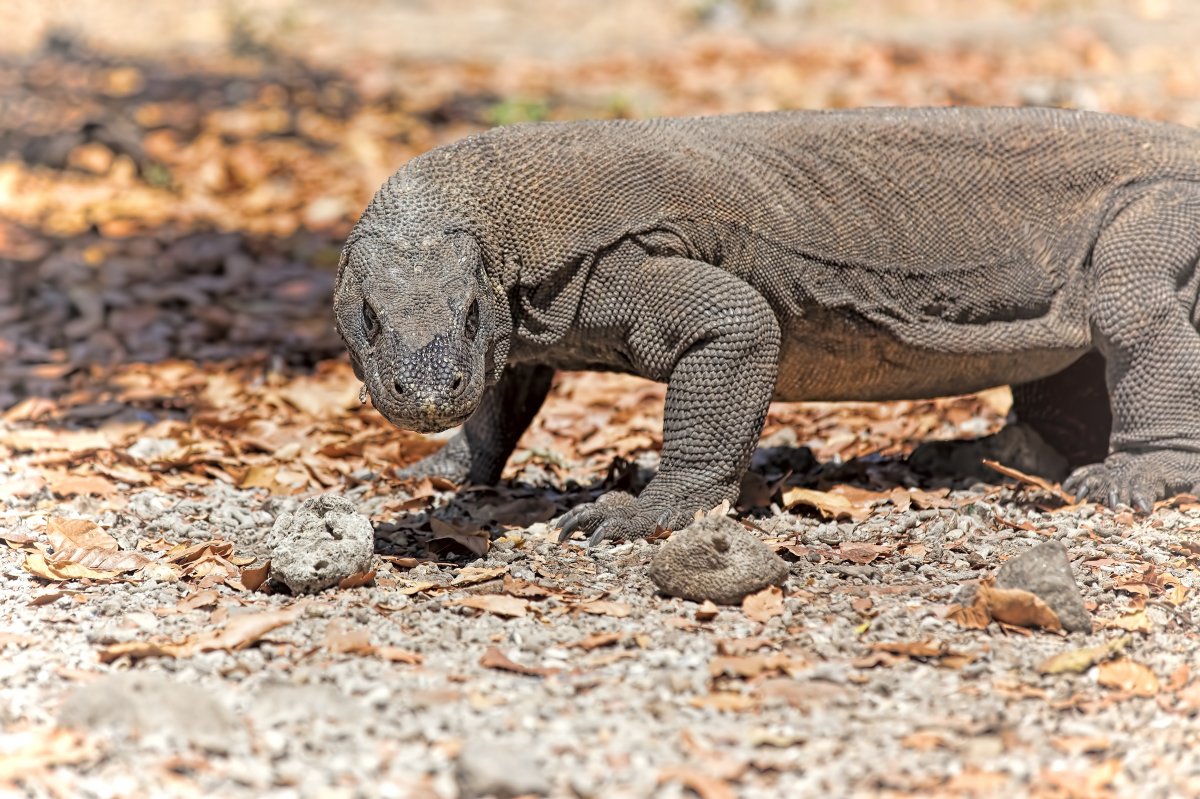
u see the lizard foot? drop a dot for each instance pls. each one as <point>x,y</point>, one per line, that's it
<point>615,516</point>
<point>1136,479</point>
<point>452,461</point>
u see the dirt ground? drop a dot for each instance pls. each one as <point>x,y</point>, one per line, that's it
<point>173,195</point>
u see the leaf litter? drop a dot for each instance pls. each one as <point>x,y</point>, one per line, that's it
<point>164,333</point>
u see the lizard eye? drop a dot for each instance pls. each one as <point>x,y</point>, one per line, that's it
<point>472,320</point>
<point>370,319</point>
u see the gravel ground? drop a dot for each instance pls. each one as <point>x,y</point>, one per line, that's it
<point>549,671</point>
<point>649,696</point>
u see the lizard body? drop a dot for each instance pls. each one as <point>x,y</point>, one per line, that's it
<point>844,255</point>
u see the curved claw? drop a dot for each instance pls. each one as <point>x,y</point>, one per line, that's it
<point>1142,504</point>
<point>568,524</point>
<point>1114,498</point>
<point>664,519</point>
<point>601,532</point>
<point>1080,493</point>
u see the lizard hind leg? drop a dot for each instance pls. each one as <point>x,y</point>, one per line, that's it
<point>1144,292</point>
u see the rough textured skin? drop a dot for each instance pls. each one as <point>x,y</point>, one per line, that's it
<point>1046,572</point>
<point>715,559</point>
<point>867,255</point>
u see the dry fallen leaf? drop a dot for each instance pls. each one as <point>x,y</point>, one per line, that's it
<point>1015,606</point>
<point>510,607</point>
<point>829,505</point>
<point>1128,676</point>
<point>493,658</point>
<point>704,785</point>
<point>1030,480</point>
<point>596,640</point>
<point>32,750</point>
<point>1080,660</point>
<point>860,552</point>
<point>470,540</point>
<point>764,604</point>
<point>604,607</point>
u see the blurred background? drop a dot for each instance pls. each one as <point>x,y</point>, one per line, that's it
<point>175,183</point>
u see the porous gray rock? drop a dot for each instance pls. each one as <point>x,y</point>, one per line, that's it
<point>715,559</point>
<point>501,769</point>
<point>1045,571</point>
<point>322,543</point>
<point>156,709</point>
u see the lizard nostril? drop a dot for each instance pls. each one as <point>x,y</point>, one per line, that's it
<point>399,388</point>
<point>457,385</point>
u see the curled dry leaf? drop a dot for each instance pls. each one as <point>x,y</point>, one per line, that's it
<point>704,785</point>
<point>1030,480</point>
<point>358,579</point>
<point>862,553</point>
<point>1128,676</point>
<point>604,607</point>
<point>1007,605</point>
<point>497,604</point>
<point>763,605</point>
<point>470,540</point>
<point>1080,660</point>
<point>493,658</point>
<point>828,504</point>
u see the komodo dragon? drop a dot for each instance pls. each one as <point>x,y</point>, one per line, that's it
<point>874,254</point>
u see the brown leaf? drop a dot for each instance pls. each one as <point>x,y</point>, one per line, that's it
<point>727,701</point>
<point>925,741</point>
<point>763,605</point>
<point>1080,660</point>
<point>493,658</point>
<point>70,485</point>
<point>497,604</point>
<point>1016,606</point>
<point>36,564</point>
<point>253,577</point>
<point>357,580</point>
<point>515,586</point>
<point>1135,622</point>
<point>395,654</point>
<point>31,751</point>
<point>470,540</point>
<point>596,640</point>
<point>474,575</point>
<point>828,504</point>
<point>345,640</point>
<point>245,629</point>
<point>1129,677</point>
<point>78,533</point>
<point>1081,744</point>
<point>1030,480</point>
<point>861,553</point>
<point>604,607</point>
<point>706,786</point>
<point>707,611</point>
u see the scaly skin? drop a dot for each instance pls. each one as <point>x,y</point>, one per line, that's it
<point>863,255</point>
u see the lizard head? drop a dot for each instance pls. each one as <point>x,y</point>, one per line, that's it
<point>419,319</point>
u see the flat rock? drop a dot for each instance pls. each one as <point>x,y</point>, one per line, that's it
<point>1045,571</point>
<point>322,543</point>
<point>499,768</point>
<point>158,710</point>
<point>715,559</point>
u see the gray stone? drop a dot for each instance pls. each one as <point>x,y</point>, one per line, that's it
<point>1045,571</point>
<point>715,559</point>
<point>498,768</point>
<point>323,542</point>
<point>156,709</point>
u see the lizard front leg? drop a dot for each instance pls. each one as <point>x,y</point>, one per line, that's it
<point>478,451</point>
<point>1144,317</point>
<point>715,341</point>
